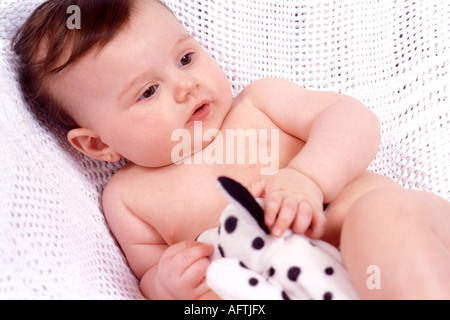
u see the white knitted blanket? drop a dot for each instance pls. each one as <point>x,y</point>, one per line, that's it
<point>392,55</point>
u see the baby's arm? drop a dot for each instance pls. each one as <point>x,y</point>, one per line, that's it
<point>342,137</point>
<point>165,272</point>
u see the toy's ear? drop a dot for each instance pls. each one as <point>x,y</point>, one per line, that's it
<point>238,195</point>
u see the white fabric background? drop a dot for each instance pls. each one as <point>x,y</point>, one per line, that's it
<point>393,55</point>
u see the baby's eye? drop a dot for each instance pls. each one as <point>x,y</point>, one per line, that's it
<point>187,59</point>
<point>149,92</point>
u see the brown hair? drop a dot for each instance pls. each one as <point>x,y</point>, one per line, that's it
<point>45,39</point>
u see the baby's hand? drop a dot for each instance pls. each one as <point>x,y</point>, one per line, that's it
<point>182,269</point>
<point>291,200</point>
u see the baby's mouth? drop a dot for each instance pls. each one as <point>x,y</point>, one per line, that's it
<point>199,109</point>
<point>200,112</point>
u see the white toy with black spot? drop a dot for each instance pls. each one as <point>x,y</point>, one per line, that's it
<point>250,263</point>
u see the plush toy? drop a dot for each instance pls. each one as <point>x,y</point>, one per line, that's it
<point>250,263</point>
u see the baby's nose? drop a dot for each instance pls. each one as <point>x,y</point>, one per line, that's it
<point>184,87</point>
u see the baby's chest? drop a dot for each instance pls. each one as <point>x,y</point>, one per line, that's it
<point>249,139</point>
<point>179,202</point>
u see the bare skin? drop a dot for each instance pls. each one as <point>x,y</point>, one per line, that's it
<point>326,142</point>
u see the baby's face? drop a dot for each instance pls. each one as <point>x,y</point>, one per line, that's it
<point>152,79</point>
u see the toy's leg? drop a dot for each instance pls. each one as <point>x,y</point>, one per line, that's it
<point>395,244</point>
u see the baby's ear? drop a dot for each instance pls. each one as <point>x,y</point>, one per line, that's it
<point>90,143</point>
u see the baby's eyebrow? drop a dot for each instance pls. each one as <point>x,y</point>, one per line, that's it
<point>130,85</point>
<point>135,81</point>
<point>183,38</point>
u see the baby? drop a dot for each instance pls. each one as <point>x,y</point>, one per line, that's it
<point>131,78</point>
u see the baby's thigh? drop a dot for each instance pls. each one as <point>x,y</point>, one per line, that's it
<point>384,202</point>
<point>406,234</point>
<point>398,208</point>
<point>340,207</point>
<point>374,199</point>
<point>435,212</point>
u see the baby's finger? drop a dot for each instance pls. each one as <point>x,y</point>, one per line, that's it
<point>257,188</point>
<point>192,252</point>
<point>303,219</point>
<point>179,247</point>
<point>194,275</point>
<point>285,217</point>
<point>272,206</point>
<point>318,226</point>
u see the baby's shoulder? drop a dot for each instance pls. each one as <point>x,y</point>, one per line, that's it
<point>268,89</point>
<point>130,178</point>
<point>129,183</point>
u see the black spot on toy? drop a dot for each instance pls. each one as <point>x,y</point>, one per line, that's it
<point>231,224</point>
<point>293,273</point>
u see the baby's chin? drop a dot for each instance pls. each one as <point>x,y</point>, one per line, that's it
<point>190,153</point>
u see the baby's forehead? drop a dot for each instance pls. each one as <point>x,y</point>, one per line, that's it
<point>146,22</point>
<point>151,30</point>
<point>144,16</point>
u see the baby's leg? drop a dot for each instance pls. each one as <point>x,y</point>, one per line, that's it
<point>395,244</point>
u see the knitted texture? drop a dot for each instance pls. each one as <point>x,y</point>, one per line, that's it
<point>392,55</point>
